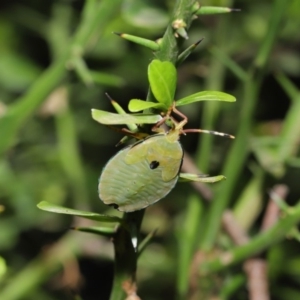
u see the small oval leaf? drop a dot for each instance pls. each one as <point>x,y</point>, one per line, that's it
<point>108,118</point>
<point>206,96</point>
<point>136,105</point>
<point>187,177</point>
<point>162,78</point>
<point>104,231</point>
<point>119,109</point>
<point>44,205</point>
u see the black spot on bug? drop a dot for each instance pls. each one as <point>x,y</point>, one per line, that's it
<point>154,164</point>
<point>114,205</point>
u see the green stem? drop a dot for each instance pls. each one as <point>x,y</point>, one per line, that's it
<point>211,110</point>
<point>24,107</point>
<point>187,239</point>
<point>169,44</point>
<point>126,255</point>
<point>70,156</point>
<point>232,169</point>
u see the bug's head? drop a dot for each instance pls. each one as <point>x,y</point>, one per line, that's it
<point>114,205</point>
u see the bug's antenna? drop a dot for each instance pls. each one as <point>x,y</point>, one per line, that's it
<point>210,132</point>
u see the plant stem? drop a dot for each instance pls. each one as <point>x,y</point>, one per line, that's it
<point>169,44</point>
<point>126,258</point>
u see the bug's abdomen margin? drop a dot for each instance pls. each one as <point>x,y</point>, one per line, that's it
<point>131,187</point>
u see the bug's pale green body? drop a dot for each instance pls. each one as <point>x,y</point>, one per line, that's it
<point>143,173</point>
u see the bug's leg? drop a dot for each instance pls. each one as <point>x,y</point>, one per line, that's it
<point>185,120</point>
<point>127,132</point>
<point>183,116</point>
<point>137,135</point>
<point>156,127</point>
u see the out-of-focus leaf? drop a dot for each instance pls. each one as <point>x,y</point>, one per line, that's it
<point>3,267</point>
<point>16,71</point>
<point>140,13</point>
<point>249,205</point>
<point>107,79</point>
<point>266,151</point>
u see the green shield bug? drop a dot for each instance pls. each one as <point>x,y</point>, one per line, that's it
<point>143,173</point>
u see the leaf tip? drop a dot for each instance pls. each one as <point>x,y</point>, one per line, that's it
<point>198,42</point>
<point>117,33</point>
<point>41,204</point>
<point>235,10</point>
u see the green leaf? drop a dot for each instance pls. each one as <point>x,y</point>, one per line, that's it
<point>108,118</point>
<point>17,71</point>
<point>154,46</point>
<point>185,54</point>
<point>206,96</point>
<point>107,79</point>
<point>187,177</point>
<point>44,205</point>
<point>146,241</point>
<point>139,105</point>
<point>162,77</point>
<point>3,267</point>
<point>119,109</point>
<point>213,10</point>
<point>250,202</point>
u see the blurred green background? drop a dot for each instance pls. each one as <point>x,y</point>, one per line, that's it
<point>52,150</point>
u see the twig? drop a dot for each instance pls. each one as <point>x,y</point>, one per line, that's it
<point>256,268</point>
<point>256,271</point>
<point>272,212</point>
